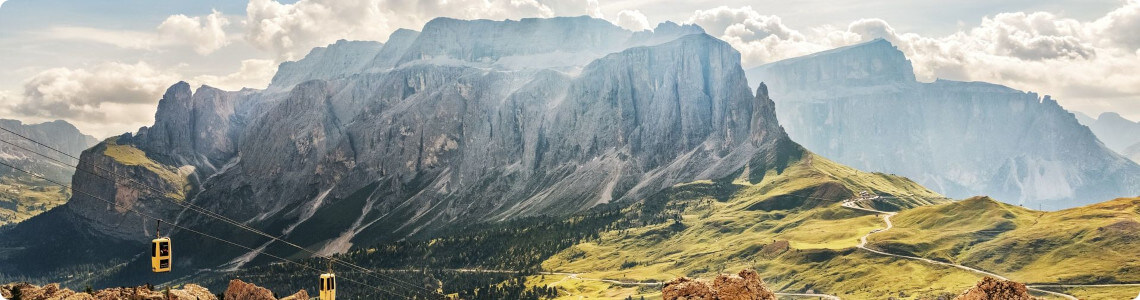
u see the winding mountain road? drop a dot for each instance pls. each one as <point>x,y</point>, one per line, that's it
<point>887,218</point>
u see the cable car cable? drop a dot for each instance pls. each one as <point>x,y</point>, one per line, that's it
<point>187,229</point>
<point>210,213</point>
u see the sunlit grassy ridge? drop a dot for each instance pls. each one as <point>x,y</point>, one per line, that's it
<point>130,156</point>
<point>1117,292</point>
<point>1091,244</point>
<point>789,226</point>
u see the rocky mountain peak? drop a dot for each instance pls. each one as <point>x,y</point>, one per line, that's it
<point>871,63</point>
<point>338,59</point>
<point>490,42</point>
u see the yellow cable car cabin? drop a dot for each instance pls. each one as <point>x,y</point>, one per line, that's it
<point>160,255</point>
<point>328,287</point>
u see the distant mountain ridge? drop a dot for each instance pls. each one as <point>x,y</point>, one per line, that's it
<point>1117,133</point>
<point>21,195</point>
<point>861,106</point>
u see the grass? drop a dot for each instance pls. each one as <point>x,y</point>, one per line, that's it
<point>22,197</point>
<point>1084,245</point>
<point>570,287</point>
<point>1128,292</point>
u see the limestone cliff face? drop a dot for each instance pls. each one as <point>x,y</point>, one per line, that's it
<point>339,59</point>
<point>198,128</point>
<point>861,106</point>
<point>422,147</point>
<point>454,132</point>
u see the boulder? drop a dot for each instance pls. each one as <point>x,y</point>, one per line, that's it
<point>995,289</point>
<point>300,295</point>
<point>240,290</point>
<point>746,285</point>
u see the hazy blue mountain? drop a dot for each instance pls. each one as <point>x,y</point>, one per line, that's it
<point>861,106</point>
<point>1132,152</point>
<point>1114,130</point>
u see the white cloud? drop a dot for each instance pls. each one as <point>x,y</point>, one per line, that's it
<point>593,9</point>
<point>254,73</point>
<point>206,34</point>
<point>633,20</point>
<point>291,30</point>
<point>1120,26</point>
<point>759,38</point>
<point>127,39</point>
<point>111,98</point>
<point>106,96</point>
<point>1088,65</point>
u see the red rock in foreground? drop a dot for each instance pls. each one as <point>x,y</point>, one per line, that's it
<point>52,291</point>
<point>746,285</point>
<point>238,290</point>
<point>994,289</point>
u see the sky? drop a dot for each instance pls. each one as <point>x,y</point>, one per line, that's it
<point>103,64</point>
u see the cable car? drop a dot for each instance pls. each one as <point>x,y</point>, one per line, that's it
<point>160,255</point>
<point>328,287</point>
<point>159,251</point>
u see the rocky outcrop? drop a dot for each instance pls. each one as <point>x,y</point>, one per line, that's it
<point>300,295</point>
<point>25,291</point>
<point>240,290</point>
<point>746,285</point>
<point>861,106</point>
<point>990,288</point>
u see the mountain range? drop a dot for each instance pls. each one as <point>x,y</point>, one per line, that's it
<point>453,132</point>
<point>862,106</point>
<point>512,155</point>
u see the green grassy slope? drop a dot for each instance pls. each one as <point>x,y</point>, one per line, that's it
<point>1090,244</point>
<point>22,197</point>
<point>790,227</point>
